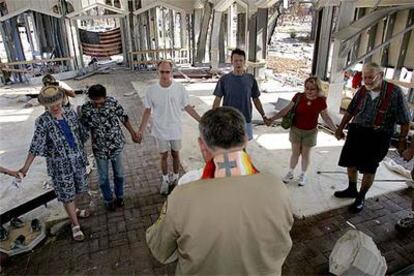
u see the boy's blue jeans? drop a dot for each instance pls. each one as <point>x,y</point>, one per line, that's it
<point>119,180</point>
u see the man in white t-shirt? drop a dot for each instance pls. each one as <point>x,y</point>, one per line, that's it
<point>165,101</point>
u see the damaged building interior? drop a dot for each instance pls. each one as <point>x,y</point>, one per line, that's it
<point>120,43</point>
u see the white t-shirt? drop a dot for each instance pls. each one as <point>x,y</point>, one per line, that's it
<point>166,106</point>
<point>373,94</point>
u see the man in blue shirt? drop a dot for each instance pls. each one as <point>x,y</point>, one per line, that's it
<point>237,88</point>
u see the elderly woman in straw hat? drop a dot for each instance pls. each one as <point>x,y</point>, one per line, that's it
<point>59,137</point>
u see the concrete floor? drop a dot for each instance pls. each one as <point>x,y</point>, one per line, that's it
<point>116,240</point>
<point>270,148</point>
<point>270,152</point>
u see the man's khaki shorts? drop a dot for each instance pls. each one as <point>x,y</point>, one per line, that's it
<point>306,138</point>
<point>168,145</point>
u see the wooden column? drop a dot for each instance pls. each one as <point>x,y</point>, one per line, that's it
<point>215,38</point>
<point>202,40</point>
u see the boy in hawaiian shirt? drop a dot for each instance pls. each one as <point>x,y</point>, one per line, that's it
<point>102,116</point>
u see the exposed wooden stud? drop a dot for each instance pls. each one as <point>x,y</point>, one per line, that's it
<point>379,38</point>
<point>196,28</point>
<point>404,46</point>
<point>252,39</point>
<point>79,46</point>
<point>379,47</point>
<point>128,36</point>
<point>202,39</point>
<point>124,46</point>
<point>262,20</point>
<point>171,16</point>
<point>322,43</point>
<point>35,31</point>
<point>360,12</point>
<point>339,60</point>
<point>153,36</point>
<point>241,30</point>
<point>230,25</point>
<point>222,39</point>
<point>71,44</point>
<point>135,37</point>
<point>190,42</point>
<point>372,33</point>
<point>184,30</point>
<point>215,38</point>
<point>6,39</point>
<point>29,35</point>
<point>387,35</point>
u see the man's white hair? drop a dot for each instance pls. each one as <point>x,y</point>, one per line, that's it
<point>372,66</point>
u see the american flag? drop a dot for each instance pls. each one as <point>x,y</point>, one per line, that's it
<point>101,44</point>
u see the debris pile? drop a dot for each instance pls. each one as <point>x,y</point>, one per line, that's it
<point>290,53</point>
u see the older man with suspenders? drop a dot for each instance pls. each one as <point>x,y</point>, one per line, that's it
<point>375,109</point>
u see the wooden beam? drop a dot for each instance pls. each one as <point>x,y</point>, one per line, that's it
<point>29,34</point>
<point>96,5</point>
<point>372,33</point>
<point>159,3</point>
<point>387,35</point>
<point>38,61</point>
<point>223,5</point>
<point>23,10</point>
<point>365,22</point>
<point>80,57</point>
<point>323,42</point>
<point>377,48</point>
<point>355,49</point>
<point>363,3</point>
<point>202,39</point>
<point>158,50</point>
<point>215,39</point>
<point>404,46</point>
<point>106,16</point>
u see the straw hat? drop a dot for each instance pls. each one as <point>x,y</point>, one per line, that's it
<point>50,95</point>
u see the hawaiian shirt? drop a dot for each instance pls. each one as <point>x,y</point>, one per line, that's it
<point>108,139</point>
<point>50,142</point>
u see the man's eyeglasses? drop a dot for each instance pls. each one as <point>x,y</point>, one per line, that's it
<point>165,72</point>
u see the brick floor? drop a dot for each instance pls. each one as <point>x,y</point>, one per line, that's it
<point>314,237</point>
<point>116,241</point>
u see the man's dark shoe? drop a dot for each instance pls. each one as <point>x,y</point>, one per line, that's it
<point>357,206</point>
<point>120,202</point>
<point>110,206</point>
<point>405,224</point>
<point>347,193</point>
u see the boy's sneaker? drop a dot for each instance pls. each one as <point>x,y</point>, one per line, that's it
<point>164,187</point>
<point>173,179</point>
<point>288,177</point>
<point>119,202</point>
<point>301,180</point>
<point>405,224</point>
<point>110,206</point>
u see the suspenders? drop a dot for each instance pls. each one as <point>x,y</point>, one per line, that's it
<point>382,105</point>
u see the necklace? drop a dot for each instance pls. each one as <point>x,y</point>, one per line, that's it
<point>309,103</point>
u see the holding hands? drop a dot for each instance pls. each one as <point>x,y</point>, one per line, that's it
<point>339,133</point>
<point>12,173</point>
<point>137,137</point>
<point>267,121</point>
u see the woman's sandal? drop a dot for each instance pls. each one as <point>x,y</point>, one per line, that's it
<point>77,234</point>
<point>82,213</point>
